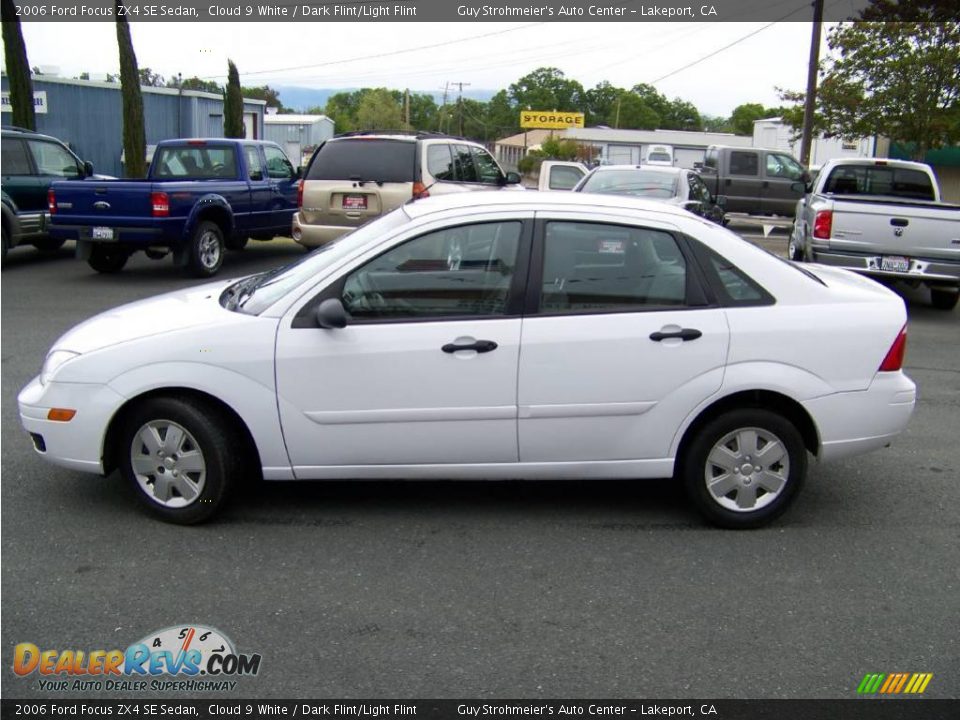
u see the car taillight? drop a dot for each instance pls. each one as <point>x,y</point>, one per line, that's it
<point>420,191</point>
<point>300,193</point>
<point>894,359</point>
<point>823,224</point>
<point>160,202</point>
<point>51,202</point>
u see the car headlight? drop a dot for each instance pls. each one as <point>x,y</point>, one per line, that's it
<point>53,362</point>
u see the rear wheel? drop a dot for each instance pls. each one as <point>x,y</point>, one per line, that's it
<point>206,250</point>
<point>177,456</point>
<point>107,259</point>
<point>944,299</point>
<point>744,468</point>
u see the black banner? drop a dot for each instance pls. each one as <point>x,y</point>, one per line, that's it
<point>860,709</point>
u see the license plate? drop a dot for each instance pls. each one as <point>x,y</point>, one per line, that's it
<point>354,202</point>
<point>102,233</point>
<point>894,263</point>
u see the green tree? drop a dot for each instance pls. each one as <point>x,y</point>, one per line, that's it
<point>547,88</point>
<point>423,111</point>
<point>195,83</point>
<point>18,69</point>
<point>654,100</point>
<point>379,110</point>
<point>267,93</point>
<point>743,117</point>
<point>896,73</point>
<point>342,109</point>
<point>502,116</point>
<point>632,112</point>
<point>681,115</point>
<point>717,123</point>
<point>148,78</point>
<point>134,134</point>
<point>233,104</point>
<point>601,102</point>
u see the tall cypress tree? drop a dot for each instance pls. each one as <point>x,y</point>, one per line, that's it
<point>134,135</point>
<point>18,69</point>
<point>233,104</point>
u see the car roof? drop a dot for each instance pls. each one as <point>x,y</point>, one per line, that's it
<point>537,200</point>
<point>666,169</point>
<point>24,132</point>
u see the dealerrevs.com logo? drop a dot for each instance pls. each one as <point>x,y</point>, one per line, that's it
<point>178,658</point>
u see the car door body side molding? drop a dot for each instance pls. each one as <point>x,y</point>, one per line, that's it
<point>406,415</point>
<point>586,410</point>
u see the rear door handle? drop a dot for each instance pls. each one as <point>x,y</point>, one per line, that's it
<point>684,334</point>
<point>481,346</point>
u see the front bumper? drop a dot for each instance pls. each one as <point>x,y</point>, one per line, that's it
<point>853,423</point>
<point>79,443</point>
<point>934,272</point>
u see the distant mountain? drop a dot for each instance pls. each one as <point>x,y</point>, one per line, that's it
<point>302,99</point>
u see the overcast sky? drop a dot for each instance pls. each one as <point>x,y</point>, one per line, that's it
<point>485,55</point>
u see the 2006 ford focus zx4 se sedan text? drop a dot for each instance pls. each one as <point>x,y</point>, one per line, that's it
<point>519,335</point>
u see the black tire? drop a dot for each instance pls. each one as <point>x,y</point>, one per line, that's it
<point>207,249</point>
<point>48,246</point>
<point>795,250</point>
<point>200,431</point>
<point>760,480</point>
<point>237,243</point>
<point>107,260</point>
<point>944,299</point>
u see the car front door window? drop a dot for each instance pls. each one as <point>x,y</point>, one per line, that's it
<point>51,159</point>
<point>488,172</point>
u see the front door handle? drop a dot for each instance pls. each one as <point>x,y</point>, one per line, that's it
<point>481,346</point>
<point>684,334</point>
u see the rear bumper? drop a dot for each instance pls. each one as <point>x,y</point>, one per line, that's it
<point>854,423</point>
<point>316,235</point>
<point>121,235</point>
<point>935,272</point>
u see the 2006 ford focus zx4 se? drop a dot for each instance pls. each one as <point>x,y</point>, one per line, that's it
<point>489,336</point>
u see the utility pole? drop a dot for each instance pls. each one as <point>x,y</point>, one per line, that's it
<point>811,97</point>
<point>443,107</point>
<point>460,106</point>
<point>406,107</point>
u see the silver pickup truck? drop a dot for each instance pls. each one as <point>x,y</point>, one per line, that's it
<point>881,218</point>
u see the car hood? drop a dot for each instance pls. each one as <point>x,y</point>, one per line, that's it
<point>173,311</point>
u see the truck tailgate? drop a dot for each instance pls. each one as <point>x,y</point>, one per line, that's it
<point>914,229</point>
<point>109,202</point>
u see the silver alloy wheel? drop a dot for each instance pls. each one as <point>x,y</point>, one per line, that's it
<point>792,250</point>
<point>209,249</point>
<point>747,469</point>
<point>168,464</point>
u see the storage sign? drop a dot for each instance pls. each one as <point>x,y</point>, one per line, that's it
<point>552,120</point>
<point>39,102</point>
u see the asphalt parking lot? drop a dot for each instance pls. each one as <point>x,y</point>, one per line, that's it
<point>489,590</point>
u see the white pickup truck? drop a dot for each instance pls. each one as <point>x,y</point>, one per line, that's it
<point>884,219</point>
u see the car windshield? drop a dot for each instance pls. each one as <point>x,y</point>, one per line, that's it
<point>640,183</point>
<point>659,157</point>
<point>254,294</point>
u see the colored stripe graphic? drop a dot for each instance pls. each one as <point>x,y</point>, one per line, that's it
<point>894,683</point>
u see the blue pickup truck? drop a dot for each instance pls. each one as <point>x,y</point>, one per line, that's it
<point>200,198</point>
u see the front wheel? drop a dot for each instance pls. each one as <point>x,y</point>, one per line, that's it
<point>107,260</point>
<point>206,250</point>
<point>944,299</point>
<point>176,455</point>
<point>744,468</point>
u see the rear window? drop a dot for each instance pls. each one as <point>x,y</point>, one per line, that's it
<point>195,162</point>
<point>879,180</point>
<point>376,160</point>
<point>640,183</point>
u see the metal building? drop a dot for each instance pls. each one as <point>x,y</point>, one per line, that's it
<point>88,116</point>
<point>298,135</point>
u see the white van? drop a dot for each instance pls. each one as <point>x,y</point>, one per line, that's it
<point>659,155</point>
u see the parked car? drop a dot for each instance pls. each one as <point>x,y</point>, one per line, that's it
<point>31,162</point>
<point>757,181</point>
<point>658,155</point>
<point>677,186</point>
<point>200,198</point>
<point>356,177</point>
<point>883,219</point>
<point>653,345</point>
<point>560,174</point>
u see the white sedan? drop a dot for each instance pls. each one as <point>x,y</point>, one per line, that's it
<point>552,335</point>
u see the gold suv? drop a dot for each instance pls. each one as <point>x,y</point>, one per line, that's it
<point>356,177</point>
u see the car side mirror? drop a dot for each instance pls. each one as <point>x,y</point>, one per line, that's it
<point>805,177</point>
<point>87,169</point>
<point>331,314</point>
<point>511,178</point>
<point>799,187</point>
<point>720,200</point>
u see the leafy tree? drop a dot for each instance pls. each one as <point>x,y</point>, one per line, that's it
<point>134,134</point>
<point>502,116</point>
<point>631,112</point>
<point>601,103</point>
<point>681,115</point>
<point>342,109</point>
<point>149,78</point>
<point>195,83</point>
<point>18,69</point>
<point>423,111</point>
<point>896,73</point>
<point>233,105</point>
<point>265,92</point>
<point>717,123</point>
<point>547,89</point>
<point>379,110</point>
<point>654,100</point>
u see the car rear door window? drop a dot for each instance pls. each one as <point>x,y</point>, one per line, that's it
<point>463,271</point>
<point>596,267</point>
<point>254,164</point>
<point>463,163</point>
<point>13,157</point>
<point>52,159</point>
<point>440,162</point>
<point>744,163</point>
<point>375,160</point>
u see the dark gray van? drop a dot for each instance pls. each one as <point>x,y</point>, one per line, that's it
<point>759,181</point>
